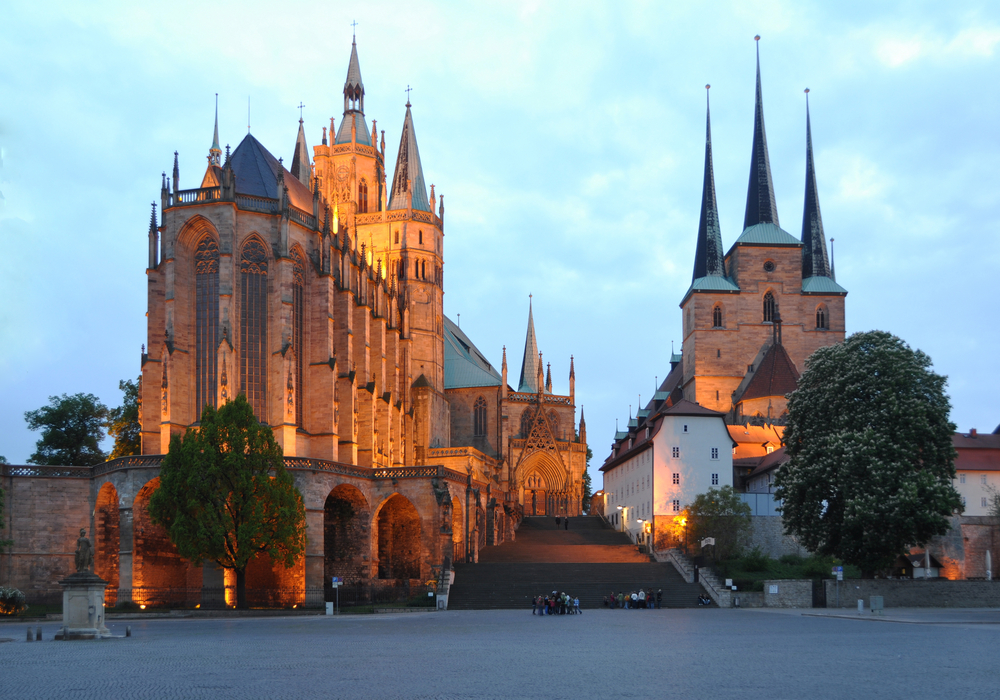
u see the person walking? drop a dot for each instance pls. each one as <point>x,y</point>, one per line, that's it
<point>659,598</point>
<point>576,606</point>
<point>642,599</point>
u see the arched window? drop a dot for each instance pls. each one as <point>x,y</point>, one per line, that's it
<point>822,322</point>
<point>206,272</point>
<point>479,417</point>
<point>768,307</point>
<point>253,326</point>
<point>397,237</point>
<point>363,197</point>
<point>717,316</point>
<point>423,270</point>
<point>554,424</point>
<point>527,418</point>
<point>420,237</point>
<point>298,327</point>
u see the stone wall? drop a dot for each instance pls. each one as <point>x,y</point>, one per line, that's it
<point>915,593</point>
<point>44,516</point>
<point>768,534</point>
<point>788,593</point>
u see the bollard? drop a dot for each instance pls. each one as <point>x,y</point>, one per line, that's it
<point>128,631</point>
<point>38,634</point>
<point>29,635</point>
<point>861,604</point>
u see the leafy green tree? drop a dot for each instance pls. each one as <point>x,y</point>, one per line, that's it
<point>720,513</point>
<point>225,495</point>
<point>123,422</point>
<point>872,460</point>
<point>588,489</point>
<point>72,429</point>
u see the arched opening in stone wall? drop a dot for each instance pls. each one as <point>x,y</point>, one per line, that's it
<point>398,543</point>
<point>270,584</point>
<point>346,534</point>
<point>457,531</point>
<point>107,542</point>
<point>159,575</point>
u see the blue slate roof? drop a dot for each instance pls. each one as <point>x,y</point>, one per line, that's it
<point>256,173</point>
<point>409,172</point>
<point>767,234</point>
<point>344,132</point>
<point>464,365</point>
<point>821,285</point>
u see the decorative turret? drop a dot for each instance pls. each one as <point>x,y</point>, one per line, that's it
<point>540,377</point>
<point>529,368</point>
<point>761,207</point>
<point>153,239</point>
<point>583,427</point>
<point>503,372</point>
<point>548,379</point>
<point>814,260</point>
<point>300,158</point>
<point>215,153</point>
<point>709,259</point>
<point>572,381</point>
<point>408,188</point>
<point>352,126</point>
<point>177,174</point>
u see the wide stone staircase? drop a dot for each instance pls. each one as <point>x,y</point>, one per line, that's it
<point>589,560</point>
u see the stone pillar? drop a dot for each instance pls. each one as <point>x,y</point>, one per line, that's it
<point>125,548</point>
<point>315,552</point>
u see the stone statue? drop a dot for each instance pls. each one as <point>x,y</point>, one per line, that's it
<point>84,553</point>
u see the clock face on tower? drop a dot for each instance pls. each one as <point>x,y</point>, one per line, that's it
<point>342,172</point>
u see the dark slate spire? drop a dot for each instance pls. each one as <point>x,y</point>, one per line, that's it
<point>215,153</point>
<point>354,89</point>
<point>300,159</point>
<point>530,365</point>
<point>709,258</point>
<point>814,260</point>
<point>760,193</point>
<point>408,188</point>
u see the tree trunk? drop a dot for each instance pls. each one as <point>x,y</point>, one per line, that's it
<point>241,589</point>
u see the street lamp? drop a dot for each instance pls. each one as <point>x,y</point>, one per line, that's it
<point>642,531</point>
<point>621,518</point>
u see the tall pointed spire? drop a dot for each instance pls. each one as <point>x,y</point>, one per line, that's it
<point>215,153</point>
<point>530,363</point>
<point>300,158</point>
<point>709,258</point>
<point>408,188</point>
<point>760,192</point>
<point>354,105</point>
<point>814,260</point>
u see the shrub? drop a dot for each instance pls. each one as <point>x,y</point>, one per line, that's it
<point>127,606</point>
<point>755,560</point>
<point>11,601</point>
<point>791,559</point>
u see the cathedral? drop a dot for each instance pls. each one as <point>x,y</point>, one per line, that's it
<point>317,292</point>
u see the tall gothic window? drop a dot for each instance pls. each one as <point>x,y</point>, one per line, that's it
<point>363,198</point>
<point>253,326</point>
<point>554,424</point>
<point>821,320</point>
<point>527,418</point>
<point>298,327</point>
<point>206,273</point>
<point>479,417</point>
<point>768,307</point>
<point>717,316</point>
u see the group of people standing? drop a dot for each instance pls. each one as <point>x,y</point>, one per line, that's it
<point>642,598</point>
<point>555,604</point>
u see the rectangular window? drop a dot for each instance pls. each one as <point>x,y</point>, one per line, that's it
<point>963,501</point>
<point>715,453</point>
<point>961,478</point>
<point>984,501</point>
<point>676,452</point>
<point>982,479</point>
<point>677,506</point>
<point>685,428</point>
<point>677,479</point>
<point>715,479</point>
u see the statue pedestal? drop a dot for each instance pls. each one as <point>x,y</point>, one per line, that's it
<point>83,607</point>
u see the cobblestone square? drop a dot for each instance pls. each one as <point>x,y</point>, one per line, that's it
<point>511,654</point>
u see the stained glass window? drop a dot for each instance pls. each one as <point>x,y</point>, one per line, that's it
<point>363,198</point>
<point>253,326</point>
<point>479,415</point>
<point>206,273</point>
<point>298,327</point>
<point>768,307</point>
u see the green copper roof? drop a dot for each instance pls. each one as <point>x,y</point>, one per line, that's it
<point>766,234</point>
<point>464,365</point>
<point>821,285</point>
<point>711,283</point>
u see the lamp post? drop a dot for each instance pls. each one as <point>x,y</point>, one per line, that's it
<point>621,519</point>
<point>642,532</point>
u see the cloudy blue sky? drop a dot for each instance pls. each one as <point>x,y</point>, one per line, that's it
<point>567,138</point>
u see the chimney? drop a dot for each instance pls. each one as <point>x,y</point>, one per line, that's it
<point>972,433</point>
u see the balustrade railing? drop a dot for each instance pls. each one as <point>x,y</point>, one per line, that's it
<point>301,217</point>
<point>195,196</point>
<point>262,204</point>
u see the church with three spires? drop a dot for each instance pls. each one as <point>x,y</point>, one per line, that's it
<point>751,317</point>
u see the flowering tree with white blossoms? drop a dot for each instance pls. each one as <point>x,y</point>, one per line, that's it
<point>872,460</point>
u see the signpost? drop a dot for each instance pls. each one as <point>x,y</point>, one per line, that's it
<point>335,583</point>
<point>838,571</point>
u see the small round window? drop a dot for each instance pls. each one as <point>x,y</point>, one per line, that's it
<point>769,266</point>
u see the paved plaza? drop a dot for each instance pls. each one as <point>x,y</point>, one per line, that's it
<point>693,653</point>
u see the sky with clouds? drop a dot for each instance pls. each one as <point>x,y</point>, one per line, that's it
<point>568,140</point>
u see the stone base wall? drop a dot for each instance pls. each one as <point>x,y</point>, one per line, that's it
<point>767,533</point>
<point>788,593</point>
<point>915,593</point>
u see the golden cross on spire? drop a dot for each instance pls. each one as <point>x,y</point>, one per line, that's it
<point>407,91</point>
<point>301,106</point>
